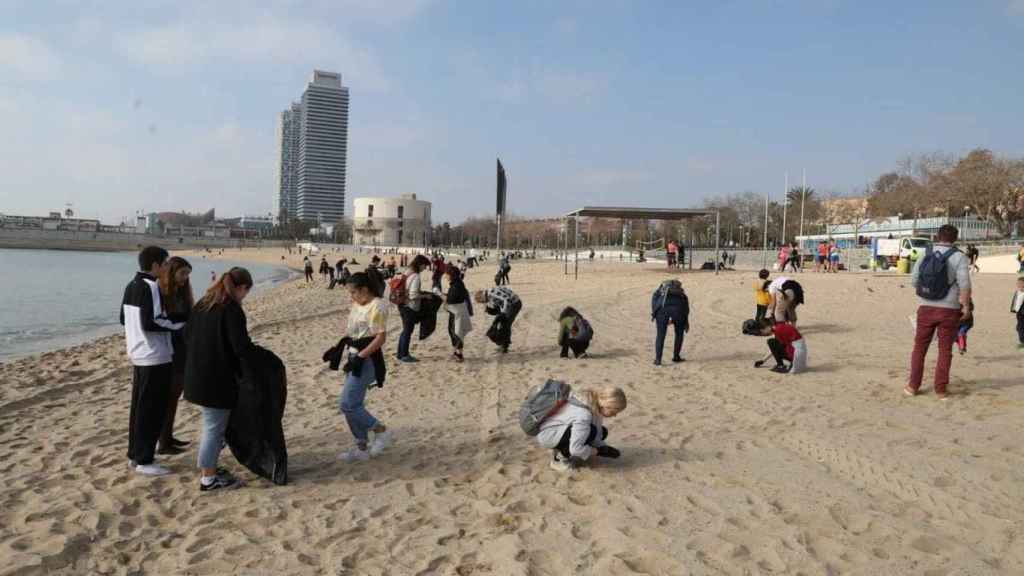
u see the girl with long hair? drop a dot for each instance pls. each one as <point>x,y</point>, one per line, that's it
<point>367,330</point>
<point>219,344</point>
<point>576,431</point>
<point>177,301</point>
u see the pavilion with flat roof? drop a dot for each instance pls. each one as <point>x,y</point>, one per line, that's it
<point>626,213</point>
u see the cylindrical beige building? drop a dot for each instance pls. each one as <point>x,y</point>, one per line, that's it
<point>403,221</point>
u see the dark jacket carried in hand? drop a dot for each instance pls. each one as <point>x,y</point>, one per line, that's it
<point>336,354</point>
<point>427,314</point>
<point>254,433</point>
<point>219,346</point>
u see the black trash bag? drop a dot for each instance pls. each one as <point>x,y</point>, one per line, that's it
<point>430,304</point>
<point>254,433</point>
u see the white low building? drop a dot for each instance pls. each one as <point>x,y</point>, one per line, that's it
<point>403,221</point>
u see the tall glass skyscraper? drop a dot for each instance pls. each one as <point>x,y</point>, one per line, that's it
<point>313,137</point>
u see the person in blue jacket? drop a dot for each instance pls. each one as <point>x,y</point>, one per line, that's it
<point>669,305</point>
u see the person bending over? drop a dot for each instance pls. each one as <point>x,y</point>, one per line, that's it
<point>669,305</point>
<point>504,305</point>
<point>576,431</point>
<point>787,344</point>
<point>574,332</point>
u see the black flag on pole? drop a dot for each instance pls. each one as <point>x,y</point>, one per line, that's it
<point>502,186</point>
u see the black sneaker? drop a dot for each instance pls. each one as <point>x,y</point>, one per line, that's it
<point>678,359</point>
<point>219,482</point>
<point>780,369</point>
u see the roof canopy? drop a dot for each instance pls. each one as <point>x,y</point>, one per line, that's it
<point>639,213</point>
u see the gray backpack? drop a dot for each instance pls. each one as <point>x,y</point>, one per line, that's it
<point>542,401</point>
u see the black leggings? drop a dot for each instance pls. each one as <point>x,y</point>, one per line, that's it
<point>563,444</point>
<point>577,346</point>
<point>778,351</point>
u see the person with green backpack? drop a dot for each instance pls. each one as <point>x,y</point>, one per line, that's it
<point>942,280</point>
<point>670,306</point>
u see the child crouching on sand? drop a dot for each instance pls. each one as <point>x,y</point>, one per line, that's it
<point>574,332</point>
<point>787,344</point>
<point>576,432</point>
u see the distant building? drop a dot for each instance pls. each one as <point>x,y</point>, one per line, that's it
<point>286,185</point>
<point>972,228</point>
<point>250,222</point>
<point>403,221</point>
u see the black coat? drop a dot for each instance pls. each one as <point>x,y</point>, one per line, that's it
<point>218,345</point>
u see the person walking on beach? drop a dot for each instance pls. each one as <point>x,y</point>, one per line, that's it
<point>972,256</point>
<point>437,273</point>
<point>833,258</point>
<point>670,306</point>
<point>1017,308</point>
<point>219,346</point>
<point>576,431</point>
<point>460,311</point>
<point>502,303</point>
<point>177,300</point>
<point>794,258</point>
<point>147,335</point>
<point>504,267</point>
<point>308,267</point>
<point>821,258</point>
<point>942,280</point>
<point>367,330</point>
<point>410,308</point>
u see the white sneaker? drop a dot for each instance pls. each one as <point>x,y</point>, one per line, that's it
<point>380,442</point>
<point>151,470</point>
<point>559,465</point>
<point>354,455</point>
<point>131,464</point>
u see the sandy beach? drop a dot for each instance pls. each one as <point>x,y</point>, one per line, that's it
<point>725,469</point>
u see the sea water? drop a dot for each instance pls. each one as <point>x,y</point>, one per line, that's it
<point>50,299</point>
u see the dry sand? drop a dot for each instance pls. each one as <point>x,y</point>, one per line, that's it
<point>725,469</point>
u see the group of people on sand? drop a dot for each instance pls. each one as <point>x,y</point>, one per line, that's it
<point>204,361</point>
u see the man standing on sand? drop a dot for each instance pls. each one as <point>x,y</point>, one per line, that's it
<point>147,335</point>
<point>938,311</point>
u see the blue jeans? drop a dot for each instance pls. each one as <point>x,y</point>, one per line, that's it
<point>351,403</point>
<point>678,322</point>
<point>408,325</point>
<point>215,422</point>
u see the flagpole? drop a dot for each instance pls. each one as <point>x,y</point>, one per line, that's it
<point>803,198</point>
<point>764,252</point>
<point>785,205</point>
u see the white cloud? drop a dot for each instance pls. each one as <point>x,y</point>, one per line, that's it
<point>28,57</point>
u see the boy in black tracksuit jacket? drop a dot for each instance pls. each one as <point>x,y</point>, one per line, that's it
<point>147,333</point>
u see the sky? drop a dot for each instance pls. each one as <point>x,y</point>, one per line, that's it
<point>118,107</point>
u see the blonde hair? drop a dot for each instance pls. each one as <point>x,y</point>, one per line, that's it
<point>611,397</point>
